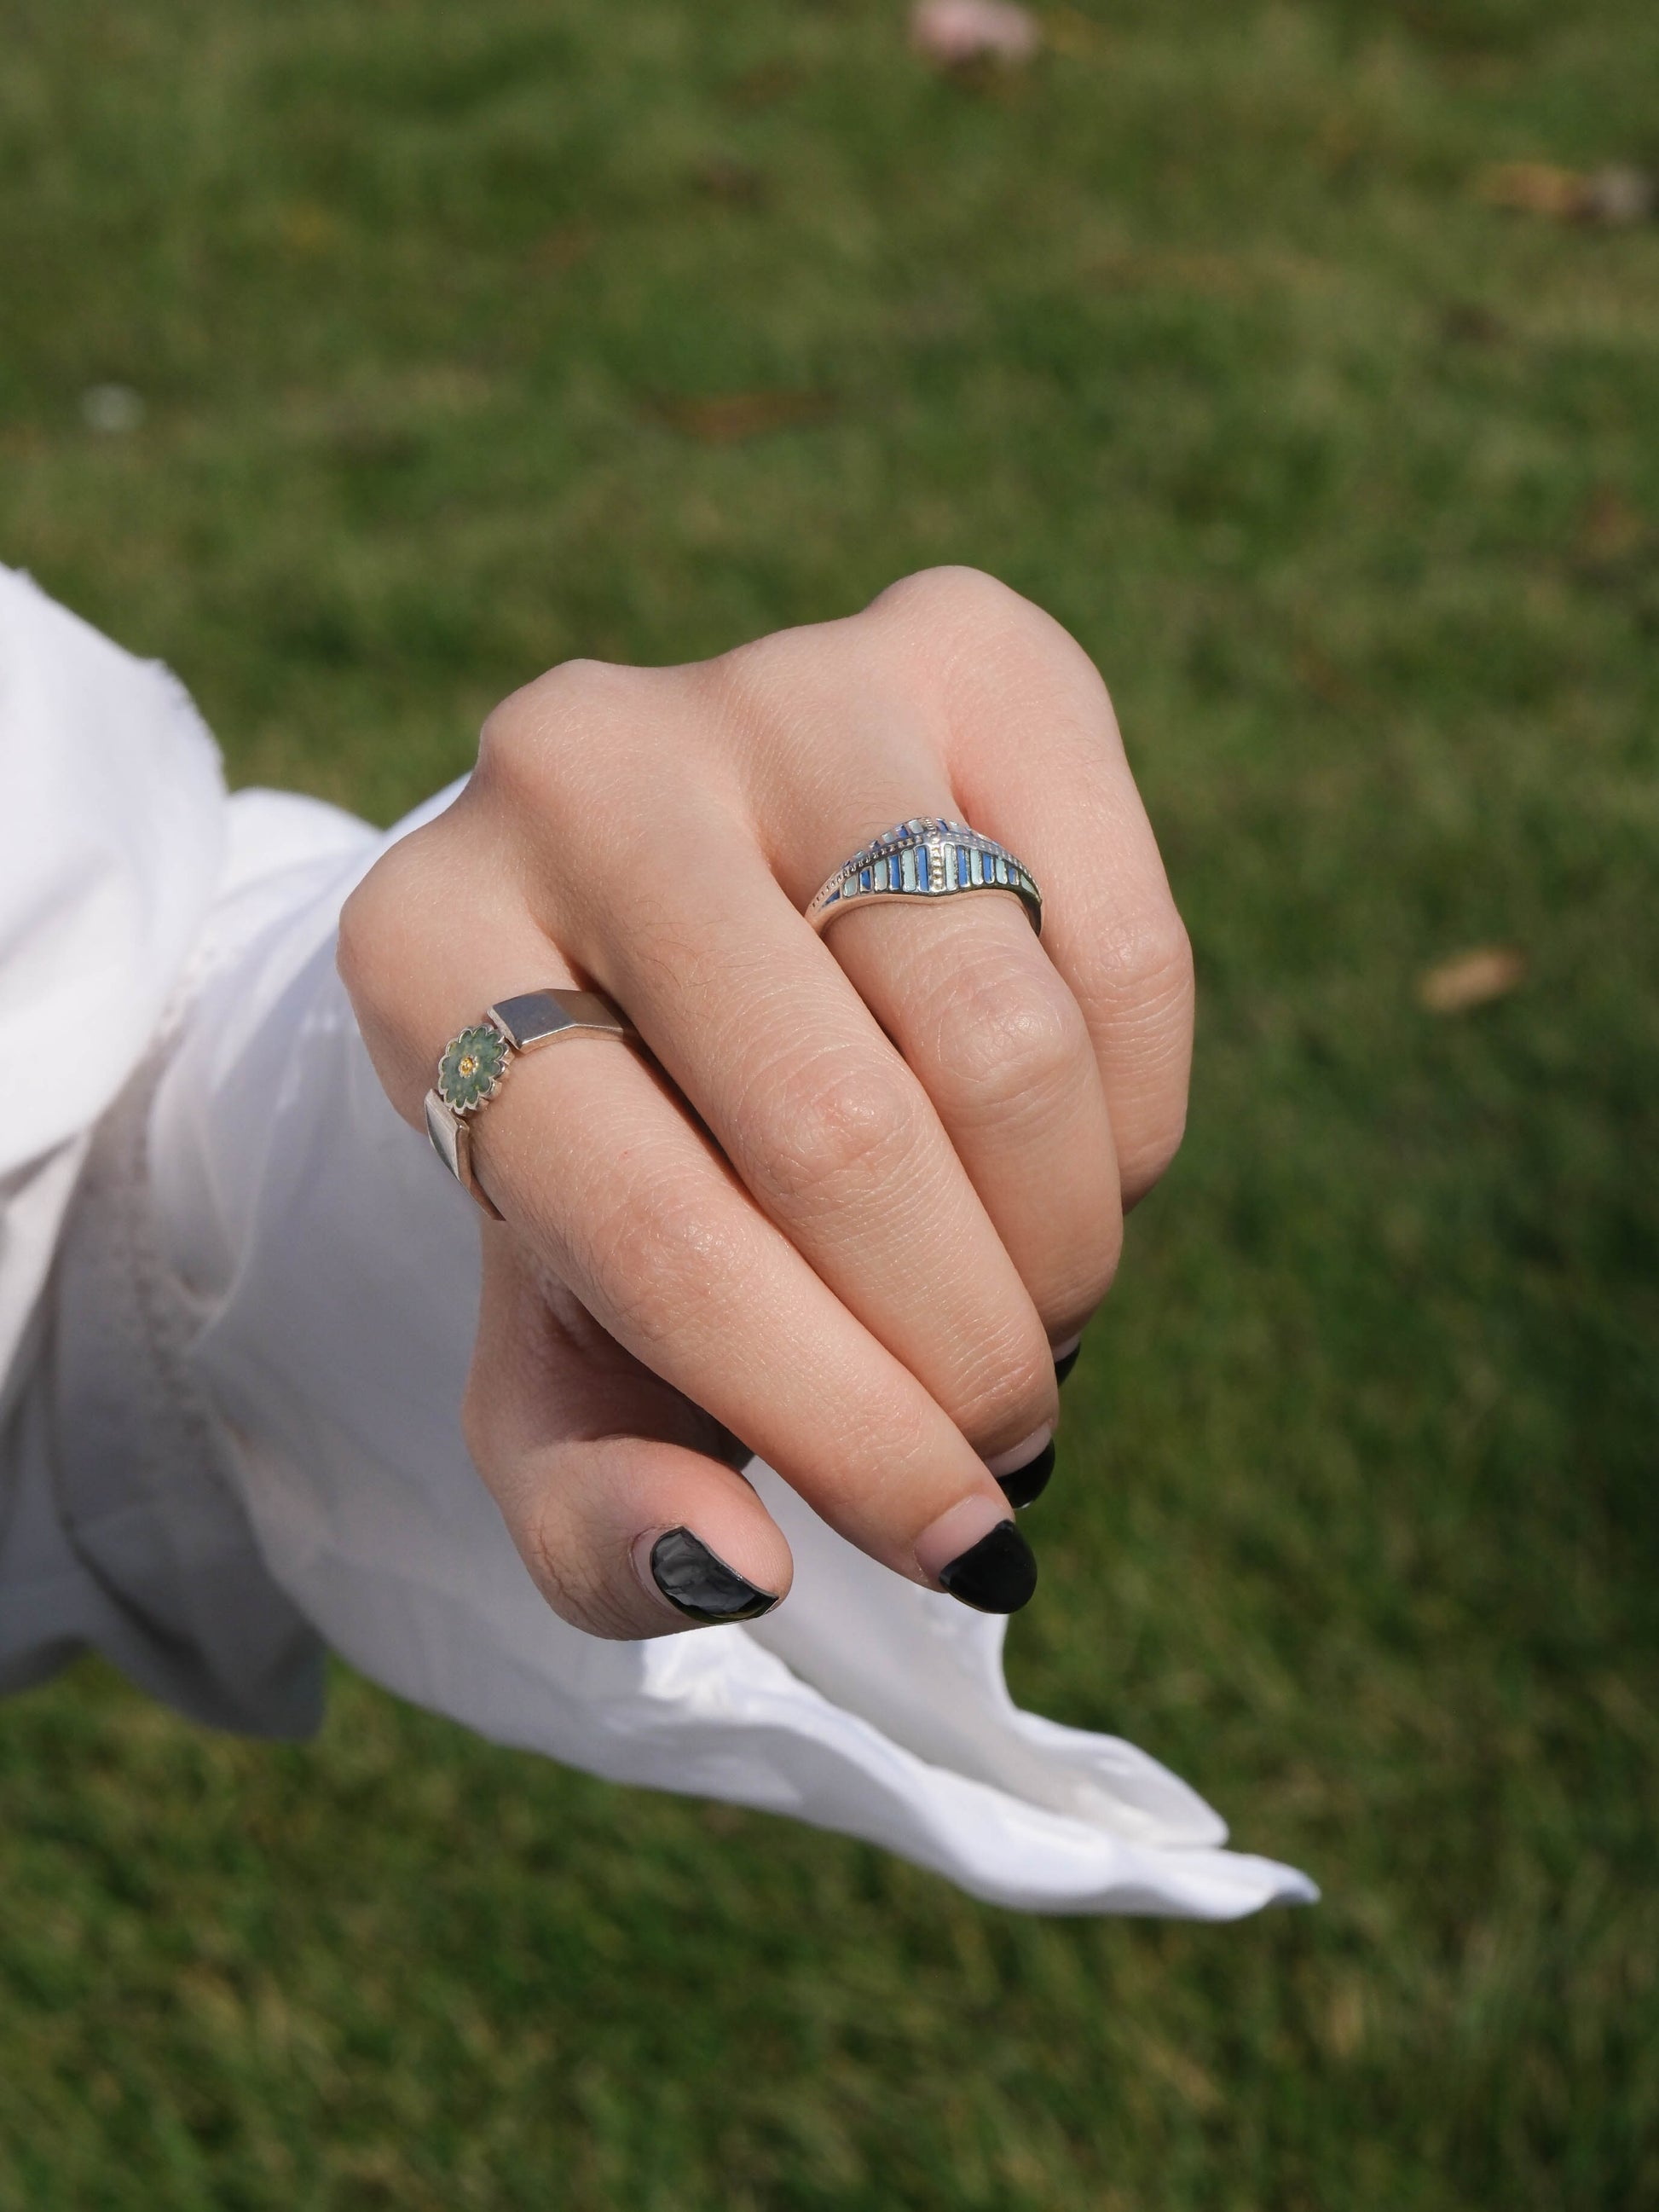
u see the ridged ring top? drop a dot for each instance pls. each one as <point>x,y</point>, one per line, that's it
<point>926,857</point>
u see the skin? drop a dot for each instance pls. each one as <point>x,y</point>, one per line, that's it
<point>863,1185</point>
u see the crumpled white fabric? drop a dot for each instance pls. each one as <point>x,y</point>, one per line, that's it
<point>231,1428</point>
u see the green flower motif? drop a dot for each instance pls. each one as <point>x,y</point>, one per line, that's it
<point>471,1069</point>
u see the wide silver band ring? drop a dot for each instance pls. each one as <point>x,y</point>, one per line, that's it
<point>473,1066</point>
<point>926,857</point>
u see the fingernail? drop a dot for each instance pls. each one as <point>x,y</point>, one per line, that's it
<point>1024,1472</point>
<point>1024,1486</point>
<point>699,1585</point>
<point>1066,1358</point>
<point>1021,1455</point>
<point>996,1575</point>
<point>976,1552</point>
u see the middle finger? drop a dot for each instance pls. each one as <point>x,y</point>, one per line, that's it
<point>968,994</point>
<point>834,1135</point>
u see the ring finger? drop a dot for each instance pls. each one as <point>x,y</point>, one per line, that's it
<point>965,991</point>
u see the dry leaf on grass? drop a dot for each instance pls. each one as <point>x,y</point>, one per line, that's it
<point>1614,196</point>
<point>1610,530</point>
<point>1470,979</point>
<point>1532,188</point>
<point>953,33</point>
<point>724,418</point>
<point>764,85</point>
<point>1467,322</point>
<point>561,248</point>
<point>723,177</point>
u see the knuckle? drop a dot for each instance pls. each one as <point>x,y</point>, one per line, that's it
<point>1006,1398</point>
<point>661,1258</point>
<point>1146,966</point>
<point>571,1575</point>
<point>1018,1044</point>
<point>959,613</point>
<point>955,592</point>
<point>535,745</point>
<point>937,615</point>
<point>834,1120</point>
<point>370,947</point>
<point>567,1575</point>
<point>895,1432</point>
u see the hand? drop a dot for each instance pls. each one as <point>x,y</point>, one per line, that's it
<point>863,1187</point>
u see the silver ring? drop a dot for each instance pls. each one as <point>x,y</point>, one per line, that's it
<point>927,858</point>
<point>473,1066</point>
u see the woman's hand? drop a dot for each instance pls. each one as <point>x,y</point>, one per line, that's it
<point>873,1181</point>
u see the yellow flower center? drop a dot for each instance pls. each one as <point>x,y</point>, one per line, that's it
<point>469,1065</point>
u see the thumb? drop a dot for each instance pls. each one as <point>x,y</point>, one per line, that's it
<point>624,1499</point>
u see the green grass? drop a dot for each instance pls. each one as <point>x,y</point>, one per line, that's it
<point>1198,334</point>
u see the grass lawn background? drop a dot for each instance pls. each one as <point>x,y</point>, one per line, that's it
<point>471,337</point>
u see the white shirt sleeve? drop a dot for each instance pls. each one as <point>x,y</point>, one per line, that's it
<point>232,1423</point>
<point>112,820</point>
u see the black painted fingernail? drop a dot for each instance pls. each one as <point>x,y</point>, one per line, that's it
<point>1066,1361</point>
<point>1024,1486</point>
<point>700,1586</point>
<point>996,1575</point>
